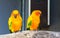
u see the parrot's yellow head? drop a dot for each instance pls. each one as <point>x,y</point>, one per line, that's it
<point>36,12</point>
<point>15,13</point>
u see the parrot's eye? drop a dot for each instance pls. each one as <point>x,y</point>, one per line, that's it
<point>37,13</point>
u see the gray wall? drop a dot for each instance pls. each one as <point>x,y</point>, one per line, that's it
<point>55,15</point>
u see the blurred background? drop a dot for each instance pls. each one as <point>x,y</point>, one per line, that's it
<point>6,6</point>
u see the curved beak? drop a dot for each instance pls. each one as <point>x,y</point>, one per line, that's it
<point>15,16</point>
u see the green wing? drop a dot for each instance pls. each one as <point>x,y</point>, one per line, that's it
<point>28,25</point>
<point>9,23</point>
<point>29,22</point>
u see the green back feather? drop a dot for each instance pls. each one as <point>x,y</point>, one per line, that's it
<point>30,23</point>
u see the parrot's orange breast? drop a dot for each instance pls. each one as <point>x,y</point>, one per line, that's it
<point>36,20</point>
<point>16,24</point>
<point>35,23</point>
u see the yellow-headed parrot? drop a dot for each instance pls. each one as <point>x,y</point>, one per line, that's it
<point>15,21</point>
<point>33,20</point>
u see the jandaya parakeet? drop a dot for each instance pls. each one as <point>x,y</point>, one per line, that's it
<point>33,20</point>
<point>15,21</point>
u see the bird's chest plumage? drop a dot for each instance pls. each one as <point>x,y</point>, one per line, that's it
<point>16,24</point>
<point>16,21</point>
<point>36,20</point>
<point>35,23</point>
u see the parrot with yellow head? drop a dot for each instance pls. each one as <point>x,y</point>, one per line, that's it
<point>33,20</point>
<point>15,21</point>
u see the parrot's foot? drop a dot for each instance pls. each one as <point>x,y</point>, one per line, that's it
<point>16,31</point>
